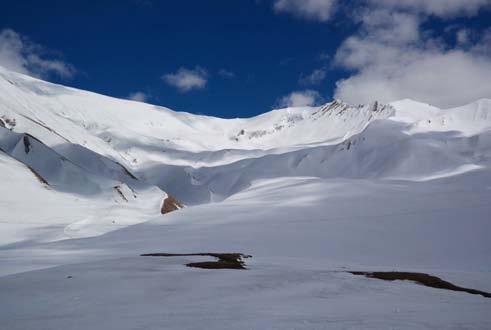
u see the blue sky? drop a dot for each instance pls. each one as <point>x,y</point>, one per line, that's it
<point>241,58</point>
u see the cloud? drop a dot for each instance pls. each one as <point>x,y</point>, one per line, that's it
<point>316,10</point>
<point>462,36</point>
<point>393,54</point>
<point>444,79</point>
<point>483,45</point>
<point>138,96</point>
<point>392,57</point>
<point>388,26</point>
<point>314,78</point>
<point>186,80</point>
<point>226,74</point>
<point>440,8</point>
<point>18,53</point>
<point>323,10</point>
<point>300,99</point>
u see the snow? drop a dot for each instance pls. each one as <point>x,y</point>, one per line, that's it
<point>410,111</point>
<point>468,120</point>
<point>310,193</point>
<point>294,280</point>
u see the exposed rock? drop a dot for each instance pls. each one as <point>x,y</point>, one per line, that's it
<point>170,204</point>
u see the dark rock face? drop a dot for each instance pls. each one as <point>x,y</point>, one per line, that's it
<point>170,204</point>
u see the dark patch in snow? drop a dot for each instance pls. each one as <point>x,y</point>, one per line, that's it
<point>27,144</point>
<point>421,278</point>
<point>7,122</point>
<point>118,189</point>
<point>170,204</point>
<point>224,260</point>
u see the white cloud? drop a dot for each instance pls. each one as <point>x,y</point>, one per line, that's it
<point>462,37</point>
<point>300,99</point>
<point>441,8</point>
<point>226,74</point>
<point>138,96</point>
<point>187,79</point>
<point>444,79</point>
<point>392,58</point>
<point>318,10</point>
<point>386,25</point>
<point>20,54</point>
<point>322,10</point>
<point>314,78</point>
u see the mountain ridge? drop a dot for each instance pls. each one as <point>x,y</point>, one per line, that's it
<point>116,143</point>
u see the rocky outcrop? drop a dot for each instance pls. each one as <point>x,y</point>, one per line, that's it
<point>170,204</point>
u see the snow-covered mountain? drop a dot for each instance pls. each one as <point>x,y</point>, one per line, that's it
<point>200,159</point>
<point>306,190</point>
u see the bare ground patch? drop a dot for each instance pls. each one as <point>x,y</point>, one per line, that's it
<point>421,278</point>
<point>223,260</point>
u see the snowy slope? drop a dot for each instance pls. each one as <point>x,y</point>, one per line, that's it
<point>45,196</point>
<point>189,155</point>
<point>302,232</point>
<point>469,120</point>
<point>89,144</point>
<point>310,192</point>
<point>123,129</point>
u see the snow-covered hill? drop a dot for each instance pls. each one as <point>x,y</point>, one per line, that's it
<point>201,159</point>
<point>310,192</point>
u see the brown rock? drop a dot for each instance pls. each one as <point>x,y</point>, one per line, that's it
<point>170,204</point>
